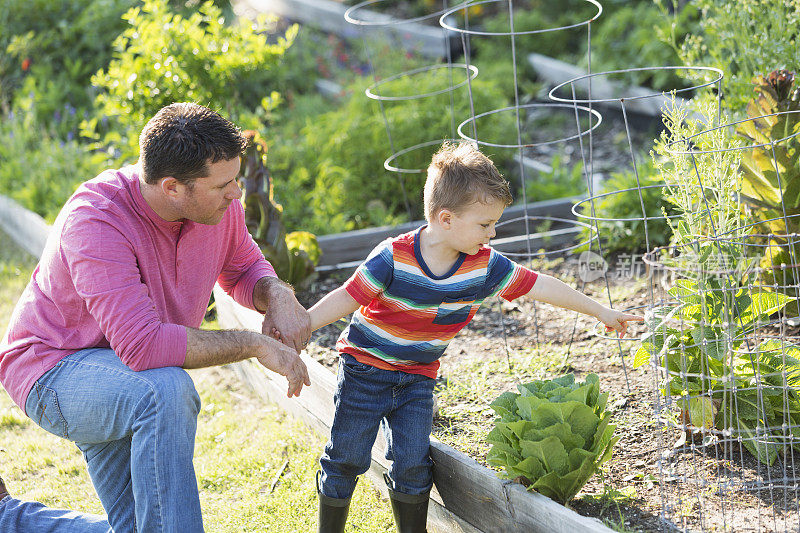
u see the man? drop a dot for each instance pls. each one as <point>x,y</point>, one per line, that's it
<point>97,344</point>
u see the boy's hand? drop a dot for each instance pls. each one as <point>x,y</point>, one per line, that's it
<point>617,320</point>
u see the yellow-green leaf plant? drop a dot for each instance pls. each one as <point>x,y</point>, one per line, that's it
<point>771,175</point>
<point>553,435</point>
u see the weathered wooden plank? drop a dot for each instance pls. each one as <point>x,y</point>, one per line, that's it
<point>354,245</point>
<point>328,15</point>
<point>467,496</point>
<point>25,228</point>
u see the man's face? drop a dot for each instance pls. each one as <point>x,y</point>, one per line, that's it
<point>209,198</point>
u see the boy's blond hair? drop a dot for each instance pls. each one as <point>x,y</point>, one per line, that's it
<point>459,175</point>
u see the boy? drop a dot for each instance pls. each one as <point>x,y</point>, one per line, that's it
<point>410,297</point>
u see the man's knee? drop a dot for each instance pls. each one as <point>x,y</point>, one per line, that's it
<point>174,390</point>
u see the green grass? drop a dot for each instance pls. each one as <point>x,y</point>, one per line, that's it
<point>242,446</point>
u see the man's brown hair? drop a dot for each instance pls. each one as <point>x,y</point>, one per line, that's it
<point>459,175</point>
<point>182,138</point>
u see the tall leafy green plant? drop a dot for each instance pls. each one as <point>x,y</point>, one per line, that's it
<point>164,57</point>
<point>704,340</point>
<point>553,435</point>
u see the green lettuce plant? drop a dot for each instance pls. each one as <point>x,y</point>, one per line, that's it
<point>553,435</point>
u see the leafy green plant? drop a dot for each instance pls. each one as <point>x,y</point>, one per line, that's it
<point>553,435</point>
<point>48,51</point>
<point>702,343</point>
<point>620,200</point>
<point>623,38</point>
<point>164,57</point>
<point>329,165</point>
<point>39,170</point>
<point>723,377</point>
<point>743,39</point>
<point>562,181</point>
<point>293,256</point>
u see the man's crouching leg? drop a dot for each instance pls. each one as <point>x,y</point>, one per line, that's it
<point>136,430</point>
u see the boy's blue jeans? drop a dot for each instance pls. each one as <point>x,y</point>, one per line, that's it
<point>366,398</point>
<point>136,431</point>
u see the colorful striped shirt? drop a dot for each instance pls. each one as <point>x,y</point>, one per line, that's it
<point>408,316</point>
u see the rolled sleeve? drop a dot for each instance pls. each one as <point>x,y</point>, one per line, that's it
<point>245,263</point>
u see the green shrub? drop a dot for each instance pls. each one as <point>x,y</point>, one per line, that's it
<point>623,38</point>
<point>743,39</point>
<point>39,170</point>
<point>563,181</point>
<point>328,166</point>
<point>553,435</point>
<point>49,50</point>
<point>164,57</point>
<point>621,201</point>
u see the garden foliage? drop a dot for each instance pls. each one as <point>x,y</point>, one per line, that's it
<point>164,57</point>
<point>553,435</point>
<point>37,168</point>
<point>329,167</point>
<point>50,48</point>
<point>743,38</point>
<point>293,256</point>
<point>726,378</point>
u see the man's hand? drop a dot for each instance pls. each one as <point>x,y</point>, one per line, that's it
<point>616,320</point>
<point>286,362</point>
<point>282,312</point>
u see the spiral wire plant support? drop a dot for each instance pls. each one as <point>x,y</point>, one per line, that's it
<point>457,75</point>
<point>716,357</point>
<point>522,113</point>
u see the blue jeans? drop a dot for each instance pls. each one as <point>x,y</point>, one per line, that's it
<point>366,398</point>
<point>23,517</point>
<point>136,431</point>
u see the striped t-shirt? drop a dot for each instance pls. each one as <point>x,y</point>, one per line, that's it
<point>408,316</point>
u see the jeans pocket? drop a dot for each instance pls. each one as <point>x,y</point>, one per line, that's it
<point>42,407</point>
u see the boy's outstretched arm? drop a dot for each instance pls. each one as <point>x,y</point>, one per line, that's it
<point>553,291</point>
<point>335,305</point>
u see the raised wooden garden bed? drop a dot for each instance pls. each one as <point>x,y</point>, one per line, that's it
<point>467,497</point>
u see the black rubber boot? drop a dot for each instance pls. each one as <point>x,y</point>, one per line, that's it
<point>332,511</point>
<point>410,510</point>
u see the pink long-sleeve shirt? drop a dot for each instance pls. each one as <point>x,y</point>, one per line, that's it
<point>114,274</point>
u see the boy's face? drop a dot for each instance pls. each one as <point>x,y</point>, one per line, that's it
<point>473,226</point>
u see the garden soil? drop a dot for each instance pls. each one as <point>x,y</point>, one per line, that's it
<point>658,478</point>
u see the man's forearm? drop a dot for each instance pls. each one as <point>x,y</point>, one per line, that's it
<point>265,289</point>
<point>553,291</point>
<point>218,347</point>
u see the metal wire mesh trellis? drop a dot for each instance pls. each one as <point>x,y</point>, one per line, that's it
<point>723,339</point>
